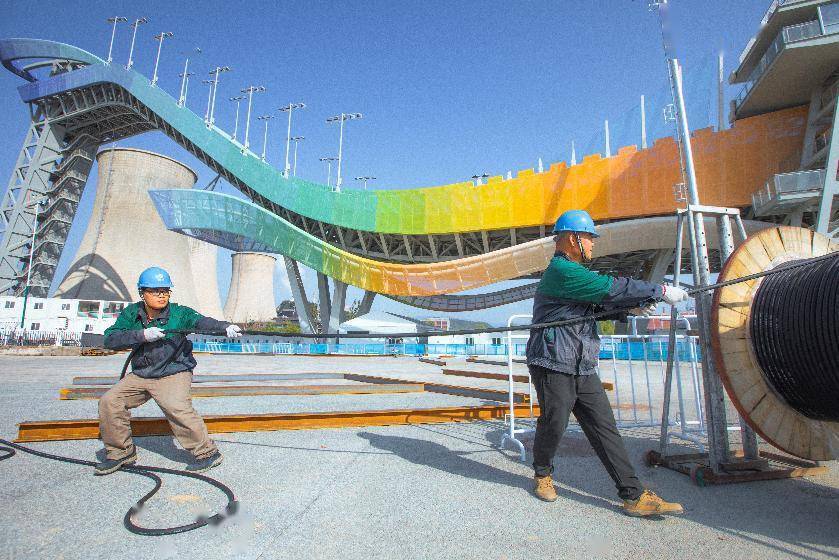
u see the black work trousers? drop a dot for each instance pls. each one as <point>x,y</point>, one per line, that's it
<point>559,395</point>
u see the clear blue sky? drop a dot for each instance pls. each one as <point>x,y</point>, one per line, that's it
<point>447,89</point>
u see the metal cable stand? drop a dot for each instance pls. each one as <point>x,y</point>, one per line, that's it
<point>774,343</point>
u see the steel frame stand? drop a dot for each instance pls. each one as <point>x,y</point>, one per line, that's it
<point>719,465</point>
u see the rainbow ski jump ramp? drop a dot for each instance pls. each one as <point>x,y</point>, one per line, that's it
<point>414,245</point>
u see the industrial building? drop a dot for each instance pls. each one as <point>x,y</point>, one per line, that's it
<point>58,314</point>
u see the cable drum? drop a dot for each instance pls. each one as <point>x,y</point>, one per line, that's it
<point>795,334</point>
<point>775,339</point>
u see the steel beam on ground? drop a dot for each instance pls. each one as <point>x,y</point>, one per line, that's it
<point>221,378</point>
<point>608,386</point>
<point>61,430</point>
<point>75,393</point>
<point>458,390</point>
<point>495,362</point>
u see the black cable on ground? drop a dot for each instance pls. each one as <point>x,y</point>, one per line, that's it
<point>130,520</point>
<point>795,332</point>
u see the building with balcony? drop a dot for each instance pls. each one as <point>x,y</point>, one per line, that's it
<point>792,61</point>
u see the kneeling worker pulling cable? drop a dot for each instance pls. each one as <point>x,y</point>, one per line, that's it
<point>162,367</point>
<point>562,361</point>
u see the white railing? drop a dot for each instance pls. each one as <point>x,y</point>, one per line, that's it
<point>512,431</point>
<point>796,182</point>
<point>21,337</point>
<point>636,366</point>
<point>787,35</point>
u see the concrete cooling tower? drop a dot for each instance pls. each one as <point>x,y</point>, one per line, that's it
<point>125,235</point>
<point>251,295</point>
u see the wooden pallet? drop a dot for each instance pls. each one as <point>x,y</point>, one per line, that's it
<point>770,466</point>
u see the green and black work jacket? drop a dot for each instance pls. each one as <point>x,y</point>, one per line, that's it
<point>568,290</point>
<point>167,356</point>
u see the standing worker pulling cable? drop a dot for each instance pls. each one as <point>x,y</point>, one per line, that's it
<point>162,367</point>
<point>562,361</point>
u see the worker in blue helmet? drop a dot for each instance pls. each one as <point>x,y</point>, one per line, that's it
<point>161,369</point>
<point>562,360</point>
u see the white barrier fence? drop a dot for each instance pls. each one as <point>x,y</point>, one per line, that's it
<point>20,337</point>
<point>635,365</point>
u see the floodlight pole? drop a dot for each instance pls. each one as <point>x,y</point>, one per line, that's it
<point>288,109</point>
<point>135,25</point>
<point>185,78</point>
<point>115,20</point>
<point>159,38</point>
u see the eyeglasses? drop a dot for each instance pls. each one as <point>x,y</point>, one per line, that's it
<point>158,291</point>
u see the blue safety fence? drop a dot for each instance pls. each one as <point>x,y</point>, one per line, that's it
<point>405,349</point>
<point>653,350</point>
<point>619,348</point>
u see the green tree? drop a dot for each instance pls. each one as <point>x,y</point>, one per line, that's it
<point>606,327</point>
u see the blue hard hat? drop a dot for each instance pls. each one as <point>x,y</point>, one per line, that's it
<point>154,277</point>
<point>576,221</point>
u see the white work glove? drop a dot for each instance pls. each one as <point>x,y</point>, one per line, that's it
<point>153,333</point>
<point>673,295</point>
<point>233,331</point>
<point>644,311</point>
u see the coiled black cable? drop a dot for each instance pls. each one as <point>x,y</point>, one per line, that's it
<point>130,519</point>
<point>795,334</point>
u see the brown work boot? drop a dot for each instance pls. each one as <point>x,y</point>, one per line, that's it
<point>544,488</point>
<point>650,504</point>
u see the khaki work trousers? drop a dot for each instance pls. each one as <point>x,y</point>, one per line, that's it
<point>172,395</point>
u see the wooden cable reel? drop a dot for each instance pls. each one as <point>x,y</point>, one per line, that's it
<point>736,319</point>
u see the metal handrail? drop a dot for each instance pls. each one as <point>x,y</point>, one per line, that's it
<point>788,183</point>
<point>787,35</point>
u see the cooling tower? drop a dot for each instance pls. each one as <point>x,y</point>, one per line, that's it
<point>203,261</point>
<point>125,235</point>
<point>251,295</point>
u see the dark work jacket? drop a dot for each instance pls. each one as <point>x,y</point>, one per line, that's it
<point>569,290</point>
<point>168,355</point>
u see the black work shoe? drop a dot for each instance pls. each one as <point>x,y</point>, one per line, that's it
<point>205,464</point>
<point>112,465</point>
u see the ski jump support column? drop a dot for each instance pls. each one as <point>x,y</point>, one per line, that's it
<point>298,295</point>
<point>51,165</point>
